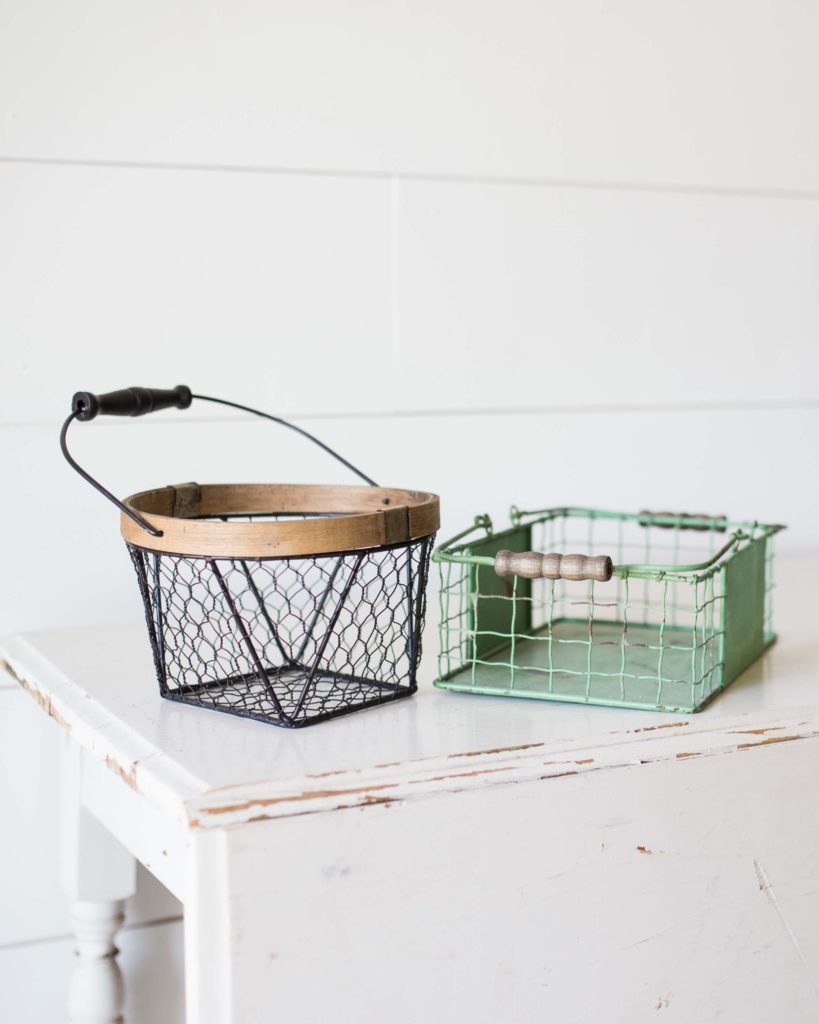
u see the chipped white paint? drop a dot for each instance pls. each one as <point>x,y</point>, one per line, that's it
<point>493,856</point>
<point>106,737</point>
<point>480,769</point>
<point>588,899</point>
<point>190,786</point>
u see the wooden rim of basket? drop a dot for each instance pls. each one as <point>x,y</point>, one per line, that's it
<point>347,519</point>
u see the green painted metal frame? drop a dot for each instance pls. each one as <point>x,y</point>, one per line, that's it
<point>492,642</point>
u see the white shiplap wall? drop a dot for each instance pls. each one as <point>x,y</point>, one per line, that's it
<point>535,252</point>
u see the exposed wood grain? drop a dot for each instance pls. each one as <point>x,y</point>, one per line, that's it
<point>534,565</point>
<point>346,519</point>
<point>669,892</point>
<point>474,770</point>
<point>698,521</point>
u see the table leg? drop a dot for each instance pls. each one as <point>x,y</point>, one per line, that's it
<point>208,963</point>
<point>98,876</point>
<point>97,991</point>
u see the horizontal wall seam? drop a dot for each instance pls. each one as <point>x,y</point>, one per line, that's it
<point>137,926</point>
<point>672,188</point>
<point>692,408</point>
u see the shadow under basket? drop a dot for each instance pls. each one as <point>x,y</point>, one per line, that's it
<point>679,611</point>
<point>290,640</point>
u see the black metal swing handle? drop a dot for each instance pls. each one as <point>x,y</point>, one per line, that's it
<point>140,401</point>
<point>129,402</point>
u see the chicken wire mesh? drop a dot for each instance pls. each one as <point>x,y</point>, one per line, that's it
<point>292,641</point>
<point>289,640</point>
<point>688,607</point>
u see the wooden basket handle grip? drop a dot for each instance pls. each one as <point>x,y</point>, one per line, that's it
<point>533,565</point>
<point>683,521</point>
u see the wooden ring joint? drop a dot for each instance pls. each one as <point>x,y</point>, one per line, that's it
<point>339,518</point>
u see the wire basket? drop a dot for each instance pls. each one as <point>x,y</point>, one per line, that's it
<point>287,603</point>
<point>661,612</point>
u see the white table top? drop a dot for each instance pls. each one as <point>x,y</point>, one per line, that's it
<point>203,767</point>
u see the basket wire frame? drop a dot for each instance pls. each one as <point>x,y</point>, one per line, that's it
<point>651,638</point>
<point>292,641</point>
<point>289,640</point>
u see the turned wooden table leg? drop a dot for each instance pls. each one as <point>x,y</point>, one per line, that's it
<point>98,875</point>
<point>97,992</point>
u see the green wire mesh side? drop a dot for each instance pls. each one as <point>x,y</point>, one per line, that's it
<point>661,640</point>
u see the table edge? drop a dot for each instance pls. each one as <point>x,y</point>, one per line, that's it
<point>189,800</point>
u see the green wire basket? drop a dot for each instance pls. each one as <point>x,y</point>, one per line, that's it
<point>661,612</point>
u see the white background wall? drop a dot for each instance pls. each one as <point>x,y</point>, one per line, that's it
<point>542,252</point>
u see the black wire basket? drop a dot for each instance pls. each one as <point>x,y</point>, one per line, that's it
<point>288,603</point>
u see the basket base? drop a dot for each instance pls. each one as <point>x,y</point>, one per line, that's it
<point>330,695</point>
<point>608,674</point>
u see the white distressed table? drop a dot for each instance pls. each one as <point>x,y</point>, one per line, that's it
<point>451,858</point>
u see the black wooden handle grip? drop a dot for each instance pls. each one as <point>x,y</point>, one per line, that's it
<point>129,402</point>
